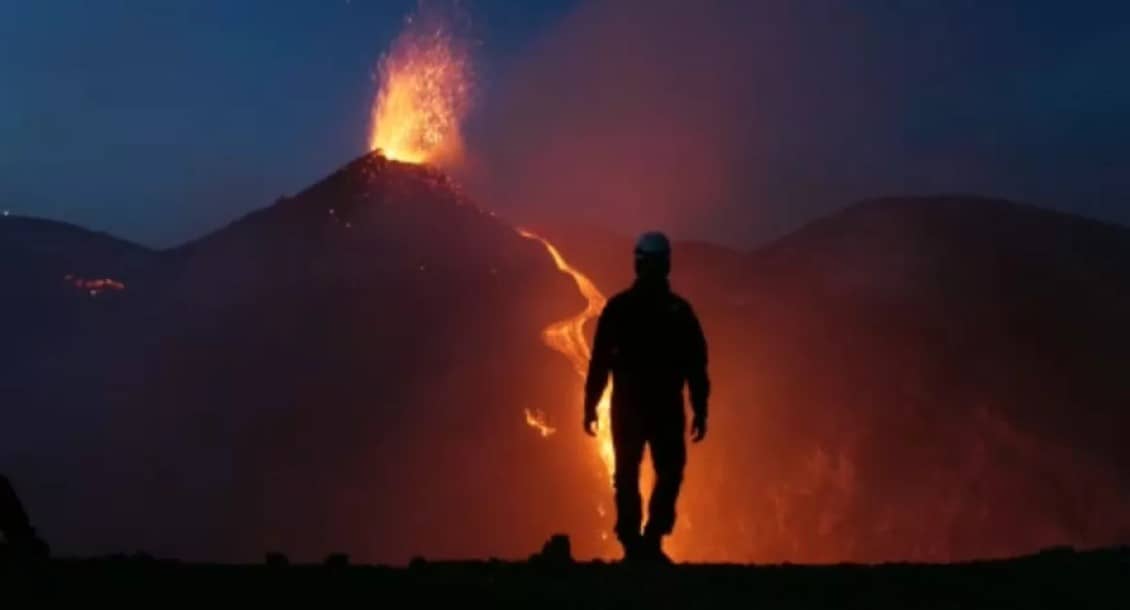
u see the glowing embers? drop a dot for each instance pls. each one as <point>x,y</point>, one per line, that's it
<point>425,91</point>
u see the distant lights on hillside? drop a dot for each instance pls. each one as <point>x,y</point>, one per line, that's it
<point>94,287</point>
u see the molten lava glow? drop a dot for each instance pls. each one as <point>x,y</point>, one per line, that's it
<point>568,337</point>
<point>425,90</point>
<point>94,287</point>
<point>537,421</point>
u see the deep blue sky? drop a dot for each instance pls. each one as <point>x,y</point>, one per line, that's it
<point>159,120</point>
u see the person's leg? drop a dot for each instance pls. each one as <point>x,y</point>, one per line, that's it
<point>668,456</point>
<point>627,443</point>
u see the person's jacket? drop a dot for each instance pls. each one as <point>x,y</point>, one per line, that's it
<point>649,339</point>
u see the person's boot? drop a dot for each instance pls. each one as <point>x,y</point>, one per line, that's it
<point>651,549</point>
<point>633,548</point>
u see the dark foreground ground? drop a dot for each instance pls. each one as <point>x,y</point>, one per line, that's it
<point>1054,579</point>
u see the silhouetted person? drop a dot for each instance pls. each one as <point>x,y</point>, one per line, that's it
<point>651,342</point>
<point>20,540</point>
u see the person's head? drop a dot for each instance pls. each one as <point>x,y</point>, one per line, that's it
<point>653,256</point>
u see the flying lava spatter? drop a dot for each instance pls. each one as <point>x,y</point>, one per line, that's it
<point>424,92</point>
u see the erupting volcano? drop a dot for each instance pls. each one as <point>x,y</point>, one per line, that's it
<point>425,87</point>
<point>373,364</point>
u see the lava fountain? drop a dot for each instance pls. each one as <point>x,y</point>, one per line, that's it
<point>425,86</point>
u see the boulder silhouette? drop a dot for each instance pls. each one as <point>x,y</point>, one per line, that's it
<point>20,541</point>
<point>556,551</point>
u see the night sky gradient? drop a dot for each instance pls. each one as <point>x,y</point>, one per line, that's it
<point>160,121</point>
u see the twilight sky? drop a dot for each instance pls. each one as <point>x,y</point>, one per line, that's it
<point>159,120</point>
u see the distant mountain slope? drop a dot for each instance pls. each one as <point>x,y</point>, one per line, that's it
<point>63,306</point>
<point>1011,292</point>
<point>339,370</point>
<point>36,256</point>
<point>61,243</point>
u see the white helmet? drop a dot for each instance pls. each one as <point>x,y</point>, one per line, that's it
<point>653,243</point>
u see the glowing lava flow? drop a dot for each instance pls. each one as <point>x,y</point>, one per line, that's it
<point>425,91</point>
<point>537,421</point>
<point>568,337</point>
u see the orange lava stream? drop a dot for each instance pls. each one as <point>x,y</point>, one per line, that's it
<point>568,337</point>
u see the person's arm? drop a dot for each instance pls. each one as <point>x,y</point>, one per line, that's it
<point>698,381</point>
<point>600,365</point>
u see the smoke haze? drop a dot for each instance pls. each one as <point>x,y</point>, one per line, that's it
<point>740,121</point>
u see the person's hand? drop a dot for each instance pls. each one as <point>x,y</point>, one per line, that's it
<point>590,422</point>
<point>698,429</point>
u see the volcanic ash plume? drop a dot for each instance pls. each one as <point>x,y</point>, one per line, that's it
<point>425,91</point>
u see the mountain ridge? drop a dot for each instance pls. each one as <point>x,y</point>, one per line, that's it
<point>364,372</point>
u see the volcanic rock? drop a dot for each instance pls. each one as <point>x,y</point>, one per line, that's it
<point>556,551</point>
